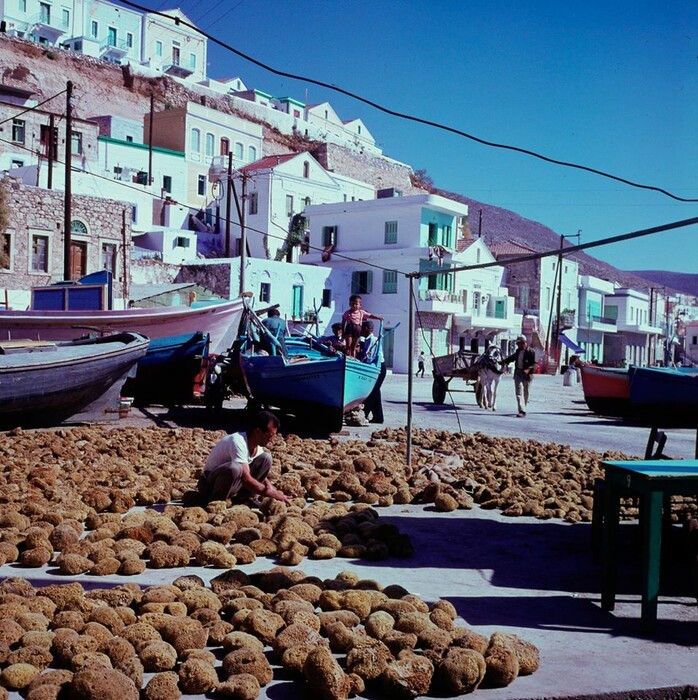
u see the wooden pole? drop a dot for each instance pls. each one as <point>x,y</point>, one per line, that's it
<point>51,147</point>
<point>67,210</point>
<point>228,194</point>
<point>410,356</point>
<point>150,140</point>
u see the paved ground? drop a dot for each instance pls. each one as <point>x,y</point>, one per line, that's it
<point>533,578</point>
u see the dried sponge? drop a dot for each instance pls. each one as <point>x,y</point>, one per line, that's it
<point>325,676</point>
<point>241,687</point>
<point>18,676</point>
<point>197,677</point>
<point>248,661</point>
<point>460,672</point>
<point>97,683</point>
<point>162,686</point>
<point>407,677</point>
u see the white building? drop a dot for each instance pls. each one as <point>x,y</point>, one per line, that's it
<point>631,344</point>
<point>276,190</point>
<point>593,324</point>
<point>173,49</point>
<point>380,241</point>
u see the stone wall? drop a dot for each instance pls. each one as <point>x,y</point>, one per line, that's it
<point>37,211</point>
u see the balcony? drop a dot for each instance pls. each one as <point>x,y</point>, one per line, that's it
<point>440,301</point>
<point>113,50</point>
<point>177,70</point>
<point>602,324</point>
<point>46,30</point>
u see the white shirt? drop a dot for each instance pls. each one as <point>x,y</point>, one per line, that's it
<point>232,449</point>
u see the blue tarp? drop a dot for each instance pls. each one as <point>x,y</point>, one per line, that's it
<point>571,344</point>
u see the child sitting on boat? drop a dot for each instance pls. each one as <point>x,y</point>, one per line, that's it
<point>352,320</point>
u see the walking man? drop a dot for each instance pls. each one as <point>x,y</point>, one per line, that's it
<point>524,360</point>
<point>420,364</point>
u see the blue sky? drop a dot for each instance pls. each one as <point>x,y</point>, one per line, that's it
<point>611,85</point>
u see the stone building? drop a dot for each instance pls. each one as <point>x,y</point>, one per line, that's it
<point>34,240</point>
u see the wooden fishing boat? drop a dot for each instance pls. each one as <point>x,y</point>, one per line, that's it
<point>309,380</point>
<point>219,321</point>
<point>606,390</point>
<point>664,396</point>
<point>45,383</point>
<point>167,373</point>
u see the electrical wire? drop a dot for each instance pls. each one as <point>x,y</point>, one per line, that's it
<point>33,107</point>
<point>412,118</point>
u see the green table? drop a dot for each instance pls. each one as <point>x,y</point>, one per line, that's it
<point>652,481</point>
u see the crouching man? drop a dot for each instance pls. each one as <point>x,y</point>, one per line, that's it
<point>238,466</point>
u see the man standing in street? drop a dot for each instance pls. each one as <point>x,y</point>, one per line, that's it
<point>524,360</point>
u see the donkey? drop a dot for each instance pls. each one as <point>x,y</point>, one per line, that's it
<point>490,369</point>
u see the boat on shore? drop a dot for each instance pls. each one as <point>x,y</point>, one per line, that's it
<point>656,396</point>
<point>46,383</point>
<point>219,321</point>
<point>308,380</point>
<point>606,390</point>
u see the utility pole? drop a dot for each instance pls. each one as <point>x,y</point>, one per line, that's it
<point>51,148</point>
<point>228,197</point>
<point>150,139</point>
<point>67,210</point>
<point>556,333</point>
<point>410,353</point>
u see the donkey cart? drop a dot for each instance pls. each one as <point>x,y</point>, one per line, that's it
<point>460,364</point>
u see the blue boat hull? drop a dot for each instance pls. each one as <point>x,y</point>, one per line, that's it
<point>166,374</point>
<point>309,383</point>
<point>664,397</point>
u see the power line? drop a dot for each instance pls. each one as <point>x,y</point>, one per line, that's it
<point>33,108</point>
<point>412,118</point>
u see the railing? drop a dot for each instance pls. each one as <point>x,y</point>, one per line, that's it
<point>107,44</point>
<point>46,20</point>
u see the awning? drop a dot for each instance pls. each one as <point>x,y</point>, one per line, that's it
<point>571,344</point>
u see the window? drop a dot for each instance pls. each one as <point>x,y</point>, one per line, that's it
<point>306,169</point>
<point>362,282</point>
<point>265,291</point>
<point>239,151</point>
<point>5,251</point>
<point>66,18</point>
<point>201,185</point>
<point>289,205</point>
<point>329,236</point>
<point>22,5</point>
<point>167,183</point>
<point>327,298</point>
<point>210,145</point>
<point>433,234</point>
<point>447,237</point>
<point>252,154</point>
<point>129,139</point>
<point>389,281</point>
<point>182,242</point>
<point>306,202</point>
<point>76,143</point>
<point>111,36</point>
<point>129,40</point>
<point>225,147</point>
<point>109,257</point>
<point>16,163</point>
<point>18,130</point>
<point>134,214</point>
<point>44,13</point>
<point>192,61</point>
<point>195,141</point>
<point>297,301</point>
<point>94,29</point>
<point>390,232</point>
<point>175,55</point>
<point>39,261</point>
<point>253,203</point>
<point>77,226</point>
<point>158,48</point>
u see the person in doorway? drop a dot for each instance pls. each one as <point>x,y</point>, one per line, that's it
<point>524,360</point>
<point>352,319</point>
<point>238,466</point>
<point>420,364</point>
<point>276,345</point>
<point>370,345</point>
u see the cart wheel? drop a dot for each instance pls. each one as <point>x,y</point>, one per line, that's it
<point>438,390</point>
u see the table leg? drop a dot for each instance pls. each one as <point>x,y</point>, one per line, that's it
<point>608,545</point>
<point>651,559</point>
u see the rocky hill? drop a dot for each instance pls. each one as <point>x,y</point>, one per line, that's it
<point>100,87</point>
<point>680,281</point>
